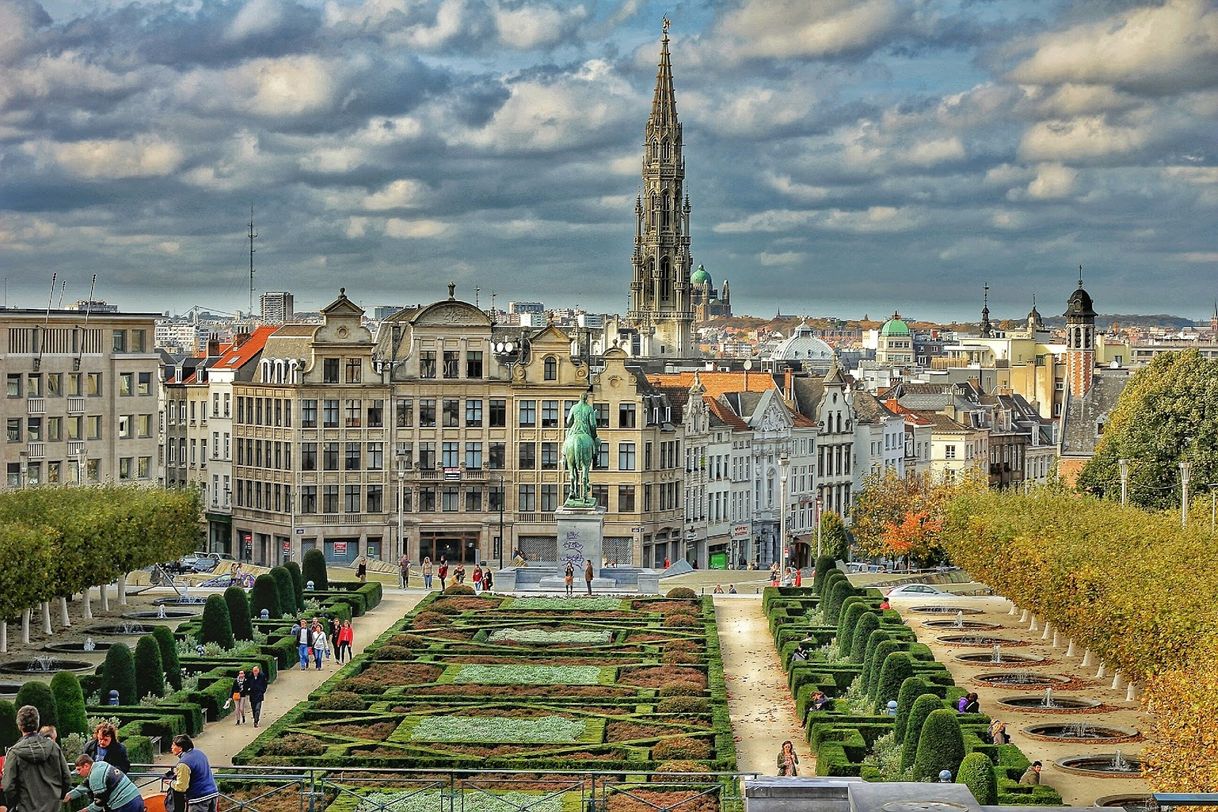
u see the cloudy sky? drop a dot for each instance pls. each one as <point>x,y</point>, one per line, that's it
<point>843,156</point>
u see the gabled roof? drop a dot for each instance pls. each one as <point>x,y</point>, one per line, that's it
<point>868,408</point>
<point>721,411</point>
<point>716,383</point>
<point>237,357</point>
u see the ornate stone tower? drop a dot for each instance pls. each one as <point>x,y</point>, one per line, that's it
<point>987,329</point>
<point>1080,340</point>
<point>660,302</point>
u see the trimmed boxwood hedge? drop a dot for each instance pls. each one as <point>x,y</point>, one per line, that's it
<point>69,704</point>
<point>940,745</point>
<point>977,773</point>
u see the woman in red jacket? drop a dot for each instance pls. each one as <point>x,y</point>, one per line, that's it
<point>346,636</point>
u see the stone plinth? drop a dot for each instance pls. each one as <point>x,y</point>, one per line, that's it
<point>581,534</point>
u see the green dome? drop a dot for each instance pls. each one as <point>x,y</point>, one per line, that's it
<point>700,277</point>
<point>895,327</point>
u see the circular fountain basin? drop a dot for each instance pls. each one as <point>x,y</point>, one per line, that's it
<point>121,629</point>
<point>78,648</point>
<point>1022,680</point>
<point>1102,765</point>
<point>48,665</point>
<point>1082,733</point>
<point>1007,661</point>
<point>967,625</point>
<point>188,601</point>
<point>944,610</point>
<point>9,688</point>
<point>1035,703</point>
<point>1133,802</point>
<point>986,640</point>
<point>170,614</point>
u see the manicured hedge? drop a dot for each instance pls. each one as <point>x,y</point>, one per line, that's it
<point>69,704</point>
<point>239,612</point>
<point>217,625</point>
<point>313,568</point>
<point>40,696</point>
<point>118,674</point>
<point>149,671</point>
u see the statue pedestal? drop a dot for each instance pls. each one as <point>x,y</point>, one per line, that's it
<point>581,538</point>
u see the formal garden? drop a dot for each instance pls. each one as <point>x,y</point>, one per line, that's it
<point>890,711</point>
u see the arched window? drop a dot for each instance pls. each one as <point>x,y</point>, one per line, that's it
<point>665,280</point>
<point>550,368</point>
<point>665,211</point>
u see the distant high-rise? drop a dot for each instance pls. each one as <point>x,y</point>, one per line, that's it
<point>277,307</point>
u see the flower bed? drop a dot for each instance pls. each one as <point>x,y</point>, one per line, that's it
<point>593,604</point>
<point>492,730</point>
<point>542,636</point>
<point>527,675</point>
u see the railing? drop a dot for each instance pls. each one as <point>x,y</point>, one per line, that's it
<point>76,405</point>
<point>36,405</point>
<point>544,517</point>
<point>76,448</point>
<point>36,451</point>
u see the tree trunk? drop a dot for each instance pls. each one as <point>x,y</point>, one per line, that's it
<point>3,637</point>
<point>1070,648</point>
<point>1131,693</point>
<point>1087,659</point>
<point>122,589</point>
<point>87,597</point>
<point>46,618</point>
<point>64,620</point>
<point>104,589</point>
<point>25,627</point>
<point>1117,682</point>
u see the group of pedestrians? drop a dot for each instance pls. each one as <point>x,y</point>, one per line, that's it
<point>248,692</point>
<point>314,643</point>
<point>481,577</point>
<point>569,577</point>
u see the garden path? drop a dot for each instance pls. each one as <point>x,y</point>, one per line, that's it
<point>761,707</point>
<point>224,739</point>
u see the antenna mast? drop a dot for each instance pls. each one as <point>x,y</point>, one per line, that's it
<point>51,298</point>
<point>252,236</point>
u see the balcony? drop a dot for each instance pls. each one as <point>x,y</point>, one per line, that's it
<point>36,405</point>
<point>76,405</point>
<point>36,451</point>
<point>536,517</point>
<point>76,448</point>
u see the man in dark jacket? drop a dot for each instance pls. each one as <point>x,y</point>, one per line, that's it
<point>36,776</point>
<point>255,687</point>
<point>105,746</point>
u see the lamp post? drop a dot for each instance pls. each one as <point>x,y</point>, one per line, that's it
<point>502,494</point>
<point>1213,505</point>
<point>783,462</point>
<point>401,484</point>
<point>1124,481</point>
<point>1184,471</point>
<point>819,504</point>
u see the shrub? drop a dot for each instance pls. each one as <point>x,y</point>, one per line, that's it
<point>295,744</point>
<point>217,625</point>
<point>681,748</point>
<point>923,707</point>
<point>39,695</point>
<point>680,689</point>
<point>867,623</point>
<point>428,620</point>
<point>874,639</point>
<point>118,674</point>
<point>848,615</point>
<point>665,768</point>
<point>459,589</point>
<point>897,668</point>
<point>680,620</point>
<point>339,700</point>
<point>977,773</point>
<point>313,568</point>
<point>239,613</point>
<point>149,671</point>
<point>911,689</point>
<point>169,656</point>
<point>824,565</point>
<point>287,592</point>
<point>408,641</point>
<point>683,704</point>
<point>831,579</point>
<point>8,725</point>
<point>681,592</point>
<point>298,581</point>
<point>940,745</point>
<point>69,704</point>
<point>266,596</point>
<point>837,595</point>
<point>392,652</point>
<point>871,668</point>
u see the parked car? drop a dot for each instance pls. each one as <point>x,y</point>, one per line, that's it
<point>922,591</point>
<point>194,562</point>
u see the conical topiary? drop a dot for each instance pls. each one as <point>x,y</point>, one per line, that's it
<point>149,671</point>
<point>169,656</point>
<point>297,582</point>
<point>118,674</point>
<point>217,625</point>
<point>874,639</point>
<point>313,567</point>
<point>940,745</point>
<point>867,623</point>
<point>39,695</point>
<point>265,596</point>
<point>923,707</point>
<point>852,609</point>
<point>977,773</point>
<point>239,612</point>
<point>837,596</point>
<point>824,564</point>
<point>911,689</point>
<point>69,704</point>
<point>8,725</point>
<point>287,592</point>
<point>897,668</point>
<point>871,668</point>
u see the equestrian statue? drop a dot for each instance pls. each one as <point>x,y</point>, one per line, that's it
<point>578,451</point>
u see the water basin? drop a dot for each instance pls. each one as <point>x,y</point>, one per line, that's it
<point>968,625</point>
<point>1022,680</point>
<point>158,614</point>
<point>45,664</point>
<point>99,646</point>
<point>1048,702</point>
<point>944,610</point>
<point>1082,732</point>
<point>1001,659</point>
<point>128,629</point>
<point>986,640</point>
<point>1134,802</point>
<point>1102,765</point>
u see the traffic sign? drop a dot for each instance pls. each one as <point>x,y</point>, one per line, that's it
<point>636,530</point>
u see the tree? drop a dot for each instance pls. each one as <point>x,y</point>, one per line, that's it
<point>313,567</point>
<point>977,773</point>
<point>149,670</point>
<point>239,612</point>
<point>901,517</point>
<point>287,592</point>
<point>118,674</point>
<point>39,695</point>
<point>824,565</point>
<point>8,725</point>
<point>169,656</point>
<point>297,581</point>
<point>69,704</point>
<point>266,596</point>
<point>940,745</point>
<point>217,626</point>
<point>923,707</point>
<point>834,537</point>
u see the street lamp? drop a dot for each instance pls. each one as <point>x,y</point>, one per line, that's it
<point>501,501</point>
<point>819,504</point>
<point>783,462</point>
<point>401,466</point>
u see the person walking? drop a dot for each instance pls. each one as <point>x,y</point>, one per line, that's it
<point>191,779</point>
<point>442,571</point>
<point>105,746</point>
<point>427,572</point>
<point>799,578</point>
<point>304,639</point>
<point>788,760</point>
<point>240,692</point>
<point>488,580</point>
<point>569,578</point>
<point>404,570</point>
<point>588,575</point>
<point>107,787</point>
<point>255,687</point>
<point>346,636</point>
<point>477,579</point>
<point>361,569</point>
<point>36,777</point>
<point>321,644</point>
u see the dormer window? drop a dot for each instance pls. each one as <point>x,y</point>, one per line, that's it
<point>550,368</point>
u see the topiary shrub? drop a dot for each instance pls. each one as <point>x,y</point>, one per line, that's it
<point>69,704</point>
<point>39,695</point>
<point>911,689</point>
<point>867,623</point>
<point>217,626</point>
<point>682,747</point>
<point>149,671</point>
<point>824,565</point>
<point>295,744</point>
<point>459,589</point>
<point>851,610</point>
<point>897,668</point>
<point>239,612</point>
<point>298,581</point>
<point>837,595</point>
<point>287,592</point>
<point>940,745</point>
<point>874,639</point>
<point>8,725</point>
<point>831,579</point>
<point>871,668</point>
<point>339,700</point>
<point>683,704</point>
<point>313,568</point>
<point>977,773</point>
<point>665,770</point>
<point>118,674</point>
<point>681,592</point>
<point>265,596</point>
<point>923,707</point>
<point>169,656</point>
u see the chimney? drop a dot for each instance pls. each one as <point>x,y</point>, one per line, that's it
<point>213,345</point>
<point>240,338</point>
<point>788,385</point>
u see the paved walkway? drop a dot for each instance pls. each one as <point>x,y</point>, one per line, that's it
<point>761,707</point>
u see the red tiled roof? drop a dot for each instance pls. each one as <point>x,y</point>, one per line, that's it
<point>717,383</point>
<point>726,415</point>
<point>237,357</point>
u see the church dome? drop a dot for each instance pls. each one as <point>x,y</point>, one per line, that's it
<point>1079,304</point>
<point>700,277</point>
<point>803,346</point>
<point>895,326</point>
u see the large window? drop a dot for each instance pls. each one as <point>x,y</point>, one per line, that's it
<point>602,415</point>
<point>625,416</point>
<point>352,457</point>
<point>528,414</point>
<point>549,368</point>
<point>126,384</point>
<point>308,414</point>
<point>473,456</point>
<point>308,456</point>
<point>353,414</point>
<point>354,371</point>
<point>427,364</point>
<point>427,413</point>
<point>329,499</point>
<point>450,499</point>
<point>329,414</point>
<point>329,373</point>
<point>143,383</point>
<point>549,456</point>
<point>527,457</point>
<point>497,457</point>
<point>376,498</point>
<point>625,457</point>
<point>549,414</point>
<point>427,456</point>
<point>473,500</point>
<point>376,414</point>
<point>473,364</point>
<point>427,500</point>
<point>602,456</point>
<point>451,454</point>
<point>452,364</point>
<point>308,498</point>
<point>526,498</point>
<point>473,413</point>
<point>351,500</point>
<point>405,413</point>
<point>498,413</point>
<point>452,413</point>
<point>376,457</point>
<point>330,456</point>
<point>549,498</point>
<point>625,498</point>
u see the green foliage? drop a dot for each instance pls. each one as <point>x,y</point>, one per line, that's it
<point>149,670</point>
<point>8,725</point>
<point>873,640</point>
<point>940,745</point>
<point>118,674</point>
<point>834,537</point>
<point>169,656</point>
<point>287,592</point>
<point>313,568</point>
<point>846,620</point>
<point>911,689</point>
<point>217,625</point>
<point>871,668</point>
<point>977,773</point>
<point>39,695</point>
<point>681,592</point>
<point>297,582</point>
<point>824,564</point>
<point>266,596</point>
<point>340,700</point>
<point>837,595</point>
<point>923,707</point>
<point>897,668</point>
<point>69,704</point>
<point>867,623</point>
<point>239,613</point>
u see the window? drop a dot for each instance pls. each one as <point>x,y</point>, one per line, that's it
<point>120,341</point>
<point>308,414</point>
<point>450,499</point>
<point>308,456</point>
<point>473,413</point>
<point>602,456</point>
<point>625,498</point>
<point>427,500</point>
<point>949,452</point>
<point>139,341</point>
<point>330,456</point>
<point>352,459</point>
<point>549,414</point>
<point>526,498</point>
<point>126,384</point>
<point>351,500</point>
<point>528,413</point>
<point>376,498</point>
<point>54,384</point>
<point>74,383</point>
<point>427,456</point>
<point>427,364</point>
<point>353,414</point>
<point>404,454</point>
<point>14,429</point>
<point>376,459</point>
<point>625,416</point>
<point>550,368</point>
<point>308,498</point>
<point>144,384</point>
<point>647,456</point>
<point>450,453</point>
<point>527,458</point>
<point>126,428</point>
<point>94,428</point>
<point>329,414</point>
<point>601,494</point>
<point>452,364</point>
<point>278,412</point>
<point>451,410</point>
<point>473,364</point>
<point>55,429</point>
<point>35,385</point>
<point>13,383</point>
<point>75,428</point>
<point>625,456</point>
<point>498,413</point>
<point>427,413</point>
<point>124,467</point>
<point>549,456</point>
<point>549,498</point>
<point>602,415</point>
<point>93,384</point>
<point>355,370</point>
<point>143,467</point>
<point>473,456</point>
<point>329,499</point>
<point>33,429</point>
<point>329,374</point>
<point>55,471</point>
<point>495,502</point>
<point>497,457</point>
<point>473,500</point>
<point>405,417</point>
<point>376,414</point>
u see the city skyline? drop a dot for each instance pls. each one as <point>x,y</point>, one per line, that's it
<point>874,155</point>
